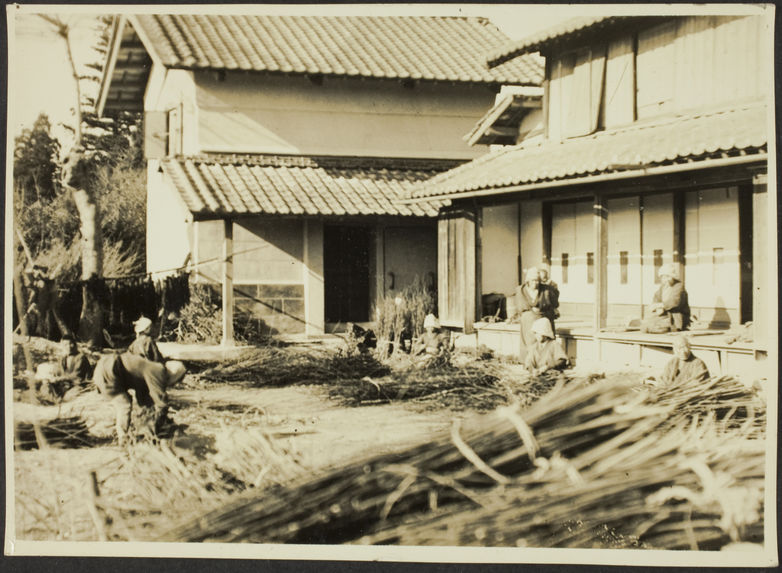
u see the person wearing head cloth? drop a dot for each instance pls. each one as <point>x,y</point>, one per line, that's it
<point>433,343</point>
<point>144,345</point>
<point>533,301</point>
<point>684,366</point>
<point>116,374</point>
<point>670,309</point>
<point>545,353</point>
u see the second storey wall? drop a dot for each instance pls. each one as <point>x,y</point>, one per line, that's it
<point>253,113</point>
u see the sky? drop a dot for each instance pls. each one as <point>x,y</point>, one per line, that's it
<point>39,74</point>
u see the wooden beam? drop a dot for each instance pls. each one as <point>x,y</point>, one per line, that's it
<point>228,283</point>
<point>601,252</point>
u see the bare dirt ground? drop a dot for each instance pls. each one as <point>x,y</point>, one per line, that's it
<point>310,430</point>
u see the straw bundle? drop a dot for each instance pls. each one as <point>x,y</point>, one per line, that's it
<point>61,432</point>
<point>489,452</point>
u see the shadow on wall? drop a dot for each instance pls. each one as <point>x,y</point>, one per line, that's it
<point>720,318</point>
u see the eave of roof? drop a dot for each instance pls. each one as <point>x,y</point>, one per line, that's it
<point>219,186</point>
<point>505,116</point>
<point>690,142</point>
<point>568,32</point>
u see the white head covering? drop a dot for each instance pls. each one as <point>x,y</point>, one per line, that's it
<point>668,270</point>
<point>142,324</point>
<point>543,326</point>
<point>431,321</point>
<point>532,273</point>
<point>176,371</point>
<point>47,371</point>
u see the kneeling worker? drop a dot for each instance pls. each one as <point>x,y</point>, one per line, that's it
<point>684,366</point>
<point>545,353</point>
<point>116,374</point>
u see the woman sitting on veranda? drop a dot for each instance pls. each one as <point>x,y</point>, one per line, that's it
<point>533,301</point>
<point>670,309</point>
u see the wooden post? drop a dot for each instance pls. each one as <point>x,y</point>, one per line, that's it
<point>760,262</point>
<point>228,283</point>
<point>601,251</point>
<point>478,254</point>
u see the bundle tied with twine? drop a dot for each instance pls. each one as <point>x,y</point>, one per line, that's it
<point>484,454</point>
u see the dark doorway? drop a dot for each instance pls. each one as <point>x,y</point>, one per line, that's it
<point>745,252</point>
<point>346,273</point>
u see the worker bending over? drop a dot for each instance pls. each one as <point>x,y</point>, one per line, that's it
<point>144,345</point>
<point>116,374</point>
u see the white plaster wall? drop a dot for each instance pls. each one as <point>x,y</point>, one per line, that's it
<point>253,113</point>
<point>168,89</point>
<point>169,232</point>
<point>500,248</point>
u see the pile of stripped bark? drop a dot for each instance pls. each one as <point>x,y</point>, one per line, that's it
<point>604,464</point>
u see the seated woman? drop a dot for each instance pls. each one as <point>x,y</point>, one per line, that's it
<point>670,309</point>
<point>545,354</point>
<point>684,366</point>
<point>433,346</point>
<point>75,365</point>
<point>534,300</point>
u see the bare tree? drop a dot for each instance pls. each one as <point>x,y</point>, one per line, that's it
<point>78,176</point>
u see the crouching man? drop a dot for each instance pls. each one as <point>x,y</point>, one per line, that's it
<point>116,374</point>
<point>545,353</point>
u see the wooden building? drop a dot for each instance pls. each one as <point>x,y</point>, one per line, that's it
<point>655,151</point>
<point>278,147</point>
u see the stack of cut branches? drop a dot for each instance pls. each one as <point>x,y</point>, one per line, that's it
<point>725,398</point>
<point>61,432</point>
<point>279,366</point>
<point>488,453</point>
<point>477,386</point>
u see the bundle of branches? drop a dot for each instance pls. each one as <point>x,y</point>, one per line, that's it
<point>253,458</point>
<point>725,397</point>
<point>280,366</point>
<point>159,485</point>
<point>484,453</point>
<point>478,386</point>
<point>687,489</point>
<point>61,432</point>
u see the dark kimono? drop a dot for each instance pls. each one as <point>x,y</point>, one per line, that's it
<point>146,347</point>
<point>544,305</point>
<point>675,304</point>
<point>76,366</point>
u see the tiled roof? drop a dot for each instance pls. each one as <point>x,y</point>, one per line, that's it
<point>410,47</point>
<point>563,32</point>
<point>218,185</point>
<point>740,130</point>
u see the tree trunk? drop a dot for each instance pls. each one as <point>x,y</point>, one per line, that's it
<point>91,318</point>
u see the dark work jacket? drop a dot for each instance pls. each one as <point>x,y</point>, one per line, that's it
<point>146,347</point>
<point>675,305</point>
